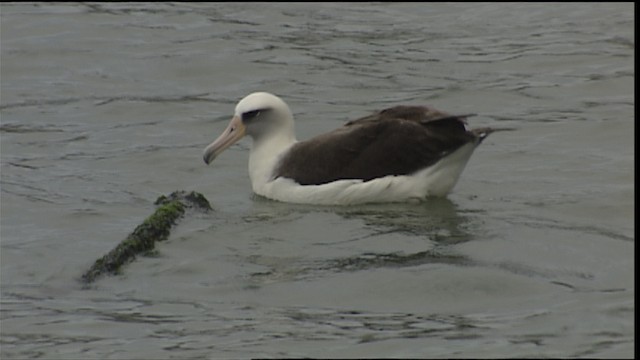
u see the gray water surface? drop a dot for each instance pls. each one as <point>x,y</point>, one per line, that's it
<point>105,107</point>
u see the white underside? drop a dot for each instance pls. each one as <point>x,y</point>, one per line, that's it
<point>436,180</point>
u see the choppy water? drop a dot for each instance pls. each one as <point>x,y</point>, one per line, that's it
<point>105,107</point>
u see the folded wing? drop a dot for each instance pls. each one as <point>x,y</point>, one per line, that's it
<point>396,141</point>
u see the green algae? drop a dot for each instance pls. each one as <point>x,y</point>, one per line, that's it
<point>141,241</point>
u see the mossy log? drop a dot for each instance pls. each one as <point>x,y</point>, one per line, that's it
<point>154,228</point>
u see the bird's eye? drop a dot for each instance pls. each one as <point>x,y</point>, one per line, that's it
<point>253,114</point>
<point>250,115</point>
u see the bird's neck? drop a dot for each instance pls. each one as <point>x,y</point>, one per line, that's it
<point>265,154</point>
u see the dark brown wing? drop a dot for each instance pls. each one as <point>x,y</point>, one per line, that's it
<point>395,141</point>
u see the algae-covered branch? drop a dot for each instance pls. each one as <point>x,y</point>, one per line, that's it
<point>156,227</point>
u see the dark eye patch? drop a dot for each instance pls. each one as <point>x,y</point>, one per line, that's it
<point>253,114</point>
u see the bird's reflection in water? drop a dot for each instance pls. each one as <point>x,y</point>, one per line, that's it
<point>438,221</point>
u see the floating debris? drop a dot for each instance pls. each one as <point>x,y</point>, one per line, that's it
<point>154,228</point>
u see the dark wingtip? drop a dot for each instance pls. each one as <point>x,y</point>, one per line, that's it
<point>482,133</point>
<point>449,117</point>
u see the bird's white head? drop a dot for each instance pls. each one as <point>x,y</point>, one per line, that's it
<point>260,115</point>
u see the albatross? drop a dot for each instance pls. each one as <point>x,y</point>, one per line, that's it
<point>402,153</point>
